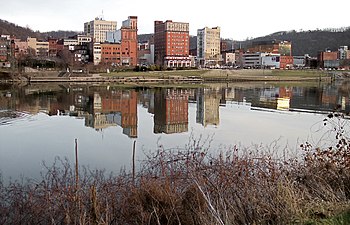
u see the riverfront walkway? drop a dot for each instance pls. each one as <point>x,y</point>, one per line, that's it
<point>119,80</point>
<point>173,77</point>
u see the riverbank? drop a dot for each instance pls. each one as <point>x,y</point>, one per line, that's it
<point>174,77</point>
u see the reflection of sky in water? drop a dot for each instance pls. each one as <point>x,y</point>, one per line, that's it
<point>26,142</point>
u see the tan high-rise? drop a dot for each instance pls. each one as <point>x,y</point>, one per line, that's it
<point>208,46</point>
<point>98,29</point>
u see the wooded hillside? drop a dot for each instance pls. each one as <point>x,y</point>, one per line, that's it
<point>310,42</point>
<point>22,33</point>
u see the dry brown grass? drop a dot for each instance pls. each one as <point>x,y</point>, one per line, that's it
<point>190,186</point>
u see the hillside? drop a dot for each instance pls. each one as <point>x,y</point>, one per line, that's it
<point>144,37</point>
<point>303,42</point>
<point>60,34</point>
<point>310,42</point>
<point>22,33</point>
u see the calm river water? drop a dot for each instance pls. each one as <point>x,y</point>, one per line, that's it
<point>41,122</point>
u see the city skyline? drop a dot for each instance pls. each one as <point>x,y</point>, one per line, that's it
<point>237,20</point>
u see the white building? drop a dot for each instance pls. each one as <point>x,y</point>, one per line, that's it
<point>261,60</point>
<point>70,42</point>
<point>251,60</point>
<point>270,60</point>
<point>299,61</point>
<point>97,53</point>
<point>343,52</point>
<point>229,58</point>
<point>84,39</point>
<point>98,28</point>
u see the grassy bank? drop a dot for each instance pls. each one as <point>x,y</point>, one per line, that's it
<point>157,74</point>
<point>191,186</point>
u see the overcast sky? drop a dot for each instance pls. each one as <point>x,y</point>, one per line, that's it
<point>238,19</point>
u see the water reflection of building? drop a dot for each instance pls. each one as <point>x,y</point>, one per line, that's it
<point>272,98</point>
<point>114,108</point>
<point>327,98</point>
<point>171,111</point>
<point>208,102</point>
<point>228,94</point>
<point>284,96</point>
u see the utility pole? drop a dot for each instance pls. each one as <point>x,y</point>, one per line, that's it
<point>76,165</point>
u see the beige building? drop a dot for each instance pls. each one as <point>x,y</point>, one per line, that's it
<point>98,28</point>
<point>229,58</point>
<point>21,48</point>
<point>39,48</point>
<point>31,45</point>
<point>208,103</point>
<point>208,46</point>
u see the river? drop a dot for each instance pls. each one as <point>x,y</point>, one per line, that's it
<point>41,122</point>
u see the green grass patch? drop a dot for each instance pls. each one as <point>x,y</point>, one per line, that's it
<point>157,74</point>
<point>340,219</point>
<point>300,73</point>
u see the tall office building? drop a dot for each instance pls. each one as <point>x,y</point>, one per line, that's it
<point>98,29</point>
<point>171,44</point>
<point>208,46</point>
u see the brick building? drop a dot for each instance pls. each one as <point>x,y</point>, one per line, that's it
<point>121,45</point>
<point>328,59</point>
<point>171,113</point>
<point>21,48</point>
<point>124,106</point>
<point>4,49</point>
<point>112,109</point>
<point>129,43</point>
<point>52,47</point>
<point>110,53</point>
<point>171,44</point>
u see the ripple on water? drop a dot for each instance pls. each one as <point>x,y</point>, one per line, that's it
<point>9,117</point>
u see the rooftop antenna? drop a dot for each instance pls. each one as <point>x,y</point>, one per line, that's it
<point>101,16</point>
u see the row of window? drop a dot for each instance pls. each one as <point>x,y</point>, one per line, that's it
<point>111,59</point>
<point>111,53</point>
<point>114,53</point>
<point>110,48</point>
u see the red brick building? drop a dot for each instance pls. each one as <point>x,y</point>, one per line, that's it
<point>171,113</point>
<point>328,59</point>
<point>171,44</point>
<point>125,103</point>
<point>286,61</point>
<point>129,43</point>
<point>111,53</point>
<point>53,47</point>
<point>4,49</point>
<point>122,50</point>
<point>323,56</point>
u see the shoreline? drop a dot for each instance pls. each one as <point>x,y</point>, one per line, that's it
<point>173,77</point>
